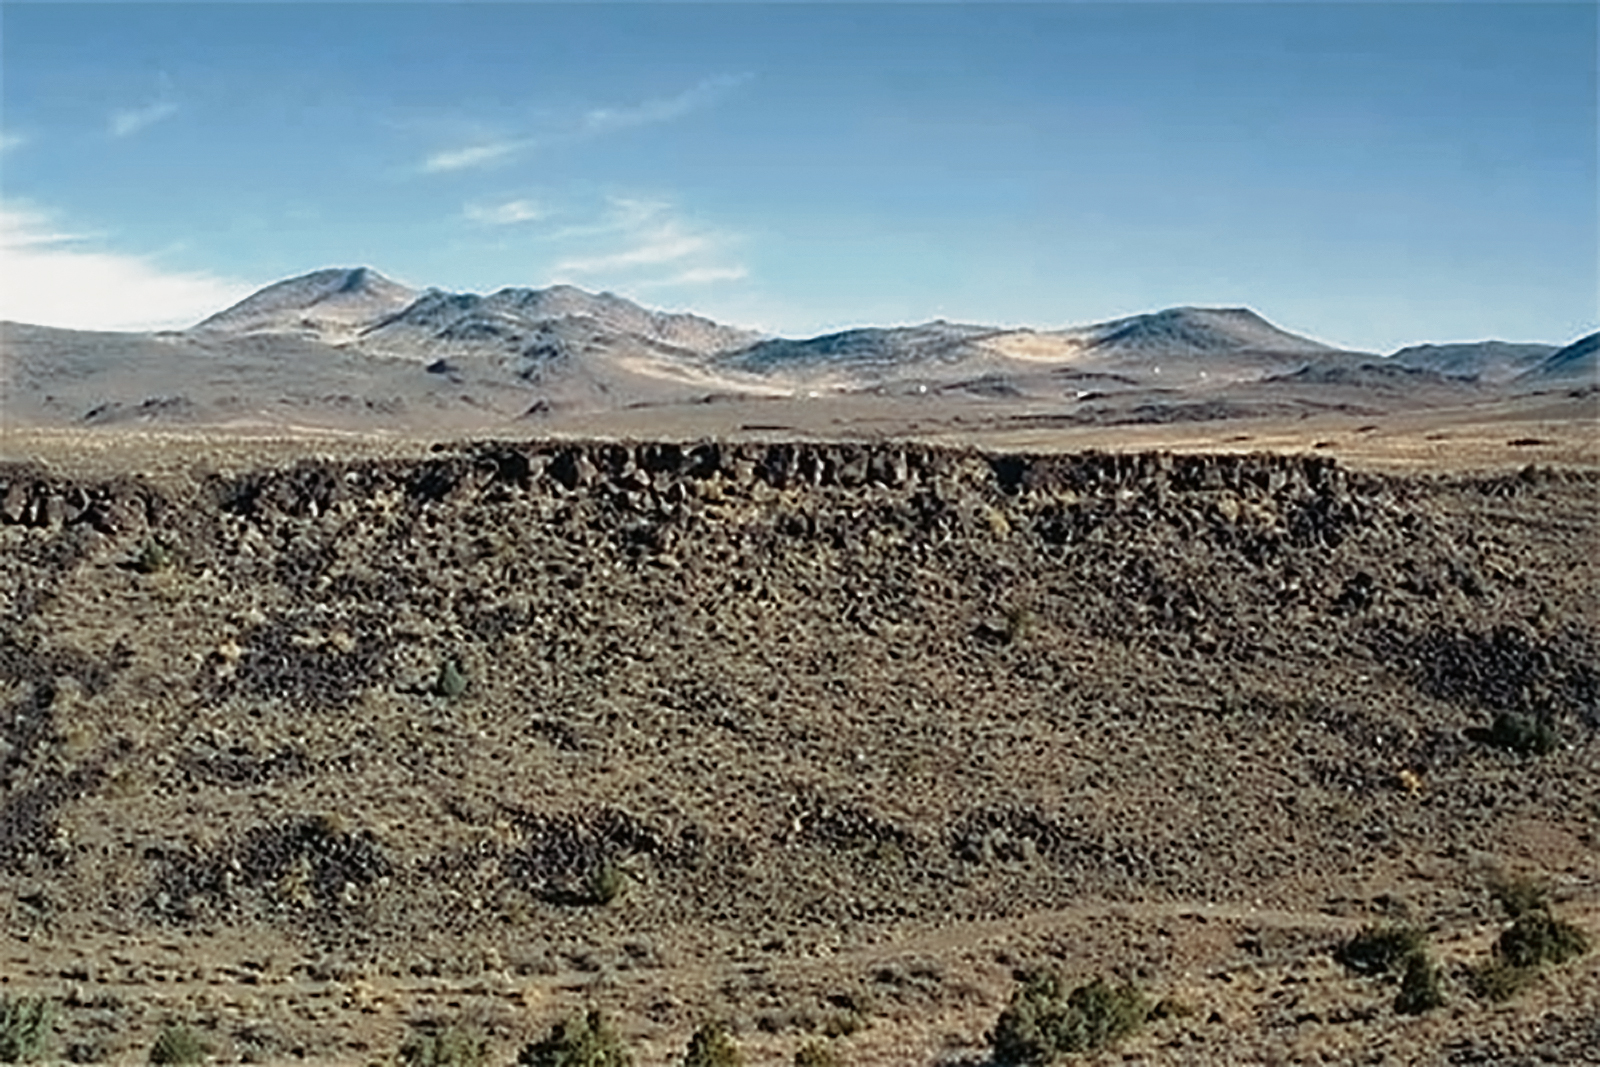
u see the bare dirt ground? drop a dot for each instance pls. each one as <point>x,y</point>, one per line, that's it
<point>860,729</point>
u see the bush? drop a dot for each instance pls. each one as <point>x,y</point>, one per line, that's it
<point>1539,937</point>
<point>711,1046</point>
<point>1419,986</point>
<point>816,1054</point>
<point>1519,896</point>
<point>1523,734</point>
<point>458,1045</point>
<point>153,557</point>
<point>1499,981</point>
<point>585,1042</point>
<point>600,885</point>
<point>452,680</point>
<point>604,883</point>
<point>1043,1021</point>
<point>1378,949</point>
<point>26,1024</point>
<point>178,1045</point>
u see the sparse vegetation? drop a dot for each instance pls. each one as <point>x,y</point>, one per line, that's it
<point>816,1054</point>
<point>1498,980</point>
<point>604,884</point>
<point>1538,937</point>
<point>597,887</point>
<point>1019,620</point>
<point>1519,895</point>
<point>153,557</point>
<point>1380,949</point>
<point>452,680</point>
<point>774,755</point>
<point>1045,1021</point>
<point>1523,734</point>
<point>1419,986</point>
<point>26,1024</point>
<point>588,1041</point>
<point>456,1045</point>
<point>1534,938</point>
<point>712,1046</point>
<point>178,1044</point>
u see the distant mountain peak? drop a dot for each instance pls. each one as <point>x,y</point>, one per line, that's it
<point>326,304</point>
<point>1197,330</point>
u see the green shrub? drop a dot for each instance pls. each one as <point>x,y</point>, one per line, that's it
<point>711,1046</point>
<point>153,557</point>
<point>585,1042</point>
<point>1519,896</point>
<point>457,1045</point>
<point>816,1054</point>
<point>1523,734</point>
<point>452,680</point>
<point>1378,949</point>
<point>178,1044</point>
<point>1019,620</point>
<point>604,883</point>
<point>26,1024</point>
<point>1043,1021</point>
<point>1419,986</point>
<point>1539,937</point>
<point>1499,981</point>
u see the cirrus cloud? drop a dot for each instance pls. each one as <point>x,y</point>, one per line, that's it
<point>508,213</point>
<point>129,121</point>
<point>639,238</point>
<point>594,122</point>
<point>478,155</point>
<point>663,109</point>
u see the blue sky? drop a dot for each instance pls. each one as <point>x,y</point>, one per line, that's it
<point>1371,174</point>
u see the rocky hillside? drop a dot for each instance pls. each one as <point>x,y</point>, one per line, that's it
<point>412,716</point>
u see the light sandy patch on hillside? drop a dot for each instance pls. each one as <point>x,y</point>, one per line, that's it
<point>1033,346</point>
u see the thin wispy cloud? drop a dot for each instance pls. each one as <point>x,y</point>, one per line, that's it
<point>509,213</point>
<point>595,122</point>
<point>665,109</point>
<point>696,276</point>
<point>9,142</point>
<point>49,277</point>
<point>638,237</point>
<point>129,121</point>
<point>477,155</point>
<point>662,244</point>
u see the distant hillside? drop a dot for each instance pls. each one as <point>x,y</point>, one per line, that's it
<point>350,348</point>
<point>1576,362</point>
<point>861,349</point>
<point>1486,361</point>
<point>1192,331</point>
<point>1192,343</point>
<point>538,325</point>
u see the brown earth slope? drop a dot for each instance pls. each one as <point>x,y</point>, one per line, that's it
<point>855,730</point>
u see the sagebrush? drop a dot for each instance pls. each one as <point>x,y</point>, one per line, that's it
<point>456,1045</point>
<point>1044,1020</point>
<point>26,1024</point>
<point>587,1041</point>
<point>712,1046</point>
<point>179,1044</point>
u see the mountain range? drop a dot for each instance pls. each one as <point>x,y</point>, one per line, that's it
<point>349,344</point>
